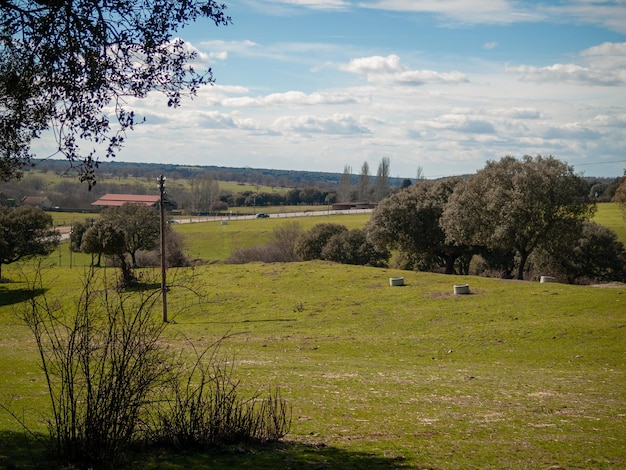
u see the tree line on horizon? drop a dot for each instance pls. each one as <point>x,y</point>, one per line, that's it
<point>204,194</point>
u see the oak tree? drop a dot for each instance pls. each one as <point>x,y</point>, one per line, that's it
<point>68,66</point>
<point>518,204</point>
<point>409,221</point>
<point>139,224</point>
<point>25,232</point>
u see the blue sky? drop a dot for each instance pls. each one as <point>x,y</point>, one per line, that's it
<point>444,85</point>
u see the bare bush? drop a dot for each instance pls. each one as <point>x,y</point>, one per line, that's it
<point>174,253</point>
<point>103,364</point>
<point>280,249</point>
<point>205,410</point>
<point>108,373</point>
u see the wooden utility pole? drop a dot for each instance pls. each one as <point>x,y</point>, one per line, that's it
<point>163,267</point>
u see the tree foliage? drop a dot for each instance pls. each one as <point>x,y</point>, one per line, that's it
<point>103,238</point>
<point>596,255</point>
<point>309,246</point>
<point>25,232</point>
<point>518,204</point>
<point>65,65</point>
<point>363,188</point>
<point>353,247</point>
<point>139,224</point>
<point>344,190</point>
<point>620,195</point>
<point>409,221</point>
<point>381,184</point>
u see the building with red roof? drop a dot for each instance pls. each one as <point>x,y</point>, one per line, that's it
<point>121,199</point>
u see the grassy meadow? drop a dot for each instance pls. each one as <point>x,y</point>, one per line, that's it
<point>610,215</point>
<point>516,375</point>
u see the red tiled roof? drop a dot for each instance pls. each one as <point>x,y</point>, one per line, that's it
<point>121,199</point>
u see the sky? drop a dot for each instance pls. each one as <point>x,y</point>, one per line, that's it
<point>437,86</point>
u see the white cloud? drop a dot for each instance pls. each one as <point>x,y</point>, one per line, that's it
<point>567,73</point>
<point>608,56</point>
<point>604,120</point>
<point>610,14</point>
<point>518,113</point>
<point>239,47</point>
<point>292,98</point>
<point>463,124</point>
<point>603,65</point>
<point>575,131</point>
<point>390,70</point>
<point>312,4</point>
<point>463,11</point>
<point>338,124</point>
<point>490,45</point>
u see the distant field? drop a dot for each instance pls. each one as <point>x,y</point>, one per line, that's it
<point>518,375</point>
<point>611,216</point>
<point>212,241</point>
<point>148,182</point>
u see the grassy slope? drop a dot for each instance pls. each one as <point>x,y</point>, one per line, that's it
<point>517,375</point>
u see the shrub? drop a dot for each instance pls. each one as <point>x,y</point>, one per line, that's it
<point>174,253</point>
<point>352,247</point>
<point>204,410</point>
<point>596,256</point>
<point>259,253</point>
<point>108,373</point>
<point>310,245</point>
<point>280,249</point>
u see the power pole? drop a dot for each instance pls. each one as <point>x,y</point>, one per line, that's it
<point>161,180</point>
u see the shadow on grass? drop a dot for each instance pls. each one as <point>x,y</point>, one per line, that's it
<point>19,450</point>
<point>282,455</point>
<point>11,297</point>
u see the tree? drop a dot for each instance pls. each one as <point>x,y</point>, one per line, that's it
<point>620,196</point>
<point>353,247</point>
<point>344,191</point>
<point>25,232</point>
<point>518,204</point>
<point>103,238</point>
<point>363,186</point>
<point>205,192</point>
<point>595,255</point>
<point>381,185</point>
<point>309,246</point>
<point>139,224</point>
<point>77,233</point>
<point>65,65</point>
<point>409,221</point>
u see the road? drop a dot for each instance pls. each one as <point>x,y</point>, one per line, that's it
<point>281,215</point>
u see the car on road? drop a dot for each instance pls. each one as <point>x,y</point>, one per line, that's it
<point>262,215</point>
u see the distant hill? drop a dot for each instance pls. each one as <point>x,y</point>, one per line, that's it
<point>263,176</point>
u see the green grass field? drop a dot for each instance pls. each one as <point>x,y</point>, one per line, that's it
<point>517,375</point>
<point>609,215</point>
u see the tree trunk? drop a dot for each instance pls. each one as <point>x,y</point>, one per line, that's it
<point>450,259</point>
<point>523,257</point>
